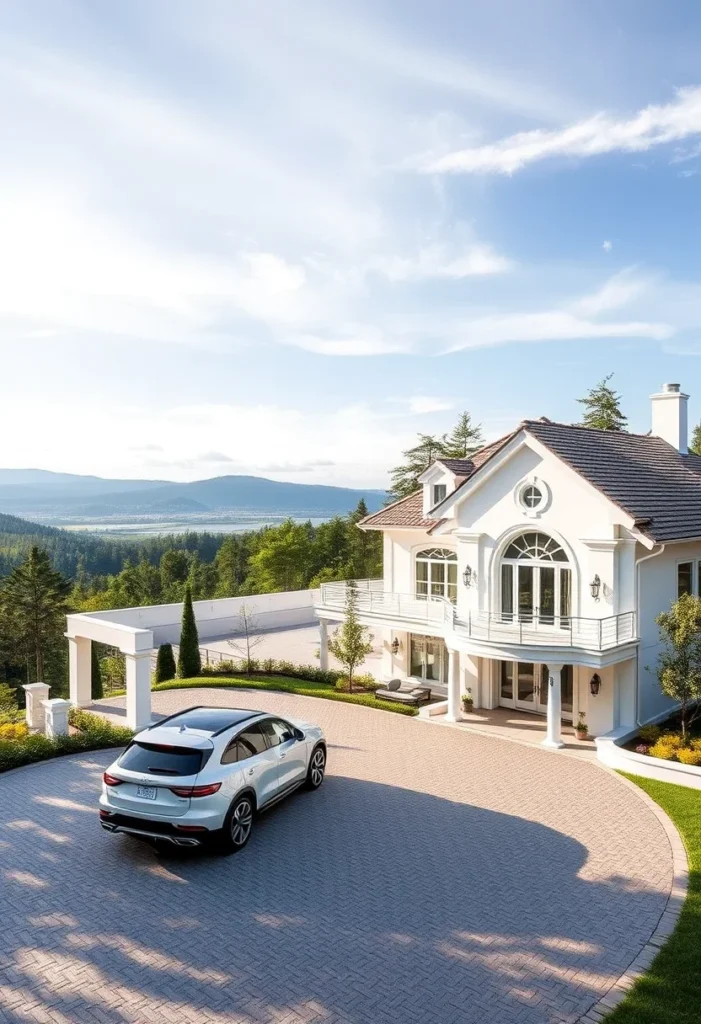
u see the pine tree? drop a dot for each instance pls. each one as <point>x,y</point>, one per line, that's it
<point>189,662</point>
<point>351,643</point>
<point>96,689</point>
<point>34,602</point>
<point>405,477</point>
<point>602,408</point>
<point>464,440</point>
<point>695,446</point>
<point>165,664</point>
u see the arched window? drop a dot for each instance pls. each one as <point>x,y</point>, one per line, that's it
<point>437,574</point>
<point>536,581</point>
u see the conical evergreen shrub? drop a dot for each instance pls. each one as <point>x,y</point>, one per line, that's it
<point>165,664</point>
<point>189,663</point>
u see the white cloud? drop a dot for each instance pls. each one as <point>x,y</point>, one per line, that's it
<point>439,260</point>
<point>551,325</point>
<point>655,125</point>
<point>618,291</point>
<point>607,246</point>
<point>420,405</point>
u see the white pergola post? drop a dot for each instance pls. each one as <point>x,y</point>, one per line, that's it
<point>323,645</point>
<point>80,670</point>
<point>138,672</point>
<point>35,695</point>
<point>454,713</point>
<point>553,735</point>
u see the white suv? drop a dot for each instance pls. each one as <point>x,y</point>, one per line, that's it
<point>201,775</point>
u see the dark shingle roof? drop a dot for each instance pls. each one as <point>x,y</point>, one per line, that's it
<point>640,473</point>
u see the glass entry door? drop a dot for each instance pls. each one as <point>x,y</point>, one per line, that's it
<point>429,659</point>
<point>524,686</point>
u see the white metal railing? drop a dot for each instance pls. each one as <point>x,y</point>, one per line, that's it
<point>549,630</point>
<point>373,600</point>
<point>491,627</point>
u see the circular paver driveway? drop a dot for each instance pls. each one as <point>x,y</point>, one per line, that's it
<point>435,877</point>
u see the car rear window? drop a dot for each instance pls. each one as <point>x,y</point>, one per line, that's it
<point>155,759</point>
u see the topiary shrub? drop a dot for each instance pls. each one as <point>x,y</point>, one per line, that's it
<point>189,660</point>
<point>165,664</point>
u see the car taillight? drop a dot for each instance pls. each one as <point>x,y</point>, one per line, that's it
<point>213,787</point>
<point>111,780</point>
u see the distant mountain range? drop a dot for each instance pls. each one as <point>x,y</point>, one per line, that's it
<point>38,492</point>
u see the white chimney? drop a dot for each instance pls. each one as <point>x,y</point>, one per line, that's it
<point>669,416</point>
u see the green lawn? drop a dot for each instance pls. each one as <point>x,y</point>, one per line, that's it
<point>288,684</point>
<point>670,992</point>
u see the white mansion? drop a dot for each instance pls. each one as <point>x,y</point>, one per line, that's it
<point>531,573</point>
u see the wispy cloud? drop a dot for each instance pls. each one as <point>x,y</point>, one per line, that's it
<point>440,260</point>
<point>655,125</point>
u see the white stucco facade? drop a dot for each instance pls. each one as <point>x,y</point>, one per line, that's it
<point>575,635</point>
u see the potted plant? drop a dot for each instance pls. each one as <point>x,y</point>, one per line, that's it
<point>581,728</point>
<point>467,701</point>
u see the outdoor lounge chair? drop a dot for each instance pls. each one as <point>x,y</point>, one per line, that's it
<point>403,694</point>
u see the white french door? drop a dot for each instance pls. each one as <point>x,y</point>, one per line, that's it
<point>523,685</point>
<point>534,592</point>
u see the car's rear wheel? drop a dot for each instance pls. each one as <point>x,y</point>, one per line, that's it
<point>317,768</point>
<point>238,825</point>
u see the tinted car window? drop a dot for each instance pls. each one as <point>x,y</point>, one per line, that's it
<point>279,730</point>
<point>254,739</point>
<point>238,750</point>
<point>161,760</point>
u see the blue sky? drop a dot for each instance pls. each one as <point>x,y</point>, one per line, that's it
<point>283,238</point>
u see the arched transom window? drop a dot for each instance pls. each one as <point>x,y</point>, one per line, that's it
<point>437,574</point>
<point>536,581</point>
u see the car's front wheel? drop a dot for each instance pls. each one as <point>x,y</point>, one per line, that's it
<point>317,768</point>
<point>238,825</point>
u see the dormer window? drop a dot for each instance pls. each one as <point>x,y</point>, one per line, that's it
<point>439,493</point>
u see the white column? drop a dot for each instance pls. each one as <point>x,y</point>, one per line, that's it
<point>80,670</point>
<point>138,690</point>
<point>56,716</point>
<point>553,735</point>
<point>454,711</point>
<point>323,645</point>
<point>35,695</point>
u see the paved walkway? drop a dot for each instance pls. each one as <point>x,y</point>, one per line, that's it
<point>438,876</point>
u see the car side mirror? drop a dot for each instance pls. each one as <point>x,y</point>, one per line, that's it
<point>299,735</point>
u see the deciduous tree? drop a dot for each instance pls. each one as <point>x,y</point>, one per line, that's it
<point>248,636</point>
<point>351,642</point>
<point>679,664</point>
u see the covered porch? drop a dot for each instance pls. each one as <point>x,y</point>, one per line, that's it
<point>517,726</point>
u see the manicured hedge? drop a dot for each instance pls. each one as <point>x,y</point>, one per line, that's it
<point>93,733</point>
<point>305,688</point>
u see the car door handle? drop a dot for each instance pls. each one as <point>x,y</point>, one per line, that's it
<point>283,756</point>
<point>251,771</point>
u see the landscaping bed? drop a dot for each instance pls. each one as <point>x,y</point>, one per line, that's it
<point>670,992</point>
<point>287,684</point>
<point>665,742</point>
<point>88,732</point>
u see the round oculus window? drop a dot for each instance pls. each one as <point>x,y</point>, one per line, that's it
<point>531,496</point>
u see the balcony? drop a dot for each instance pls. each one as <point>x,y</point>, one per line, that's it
<point>376,603</point>
<point>547,631</point>
<point>534,630</point>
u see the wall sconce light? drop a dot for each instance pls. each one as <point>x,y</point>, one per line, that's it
<point>395,646</point>
<point>468,576</point>
<point>595,587</point>
<point>595,684</point>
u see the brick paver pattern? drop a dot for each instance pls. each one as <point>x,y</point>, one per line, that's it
<point>435,877</point>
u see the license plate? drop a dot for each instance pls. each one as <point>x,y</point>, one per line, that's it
<point>147,792</point>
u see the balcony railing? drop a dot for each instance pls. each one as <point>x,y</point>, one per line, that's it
<point>373,600</point>
<point>549,631</point>
<point>488,627</point>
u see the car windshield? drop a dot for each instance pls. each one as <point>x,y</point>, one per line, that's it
<point>156,759</point>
